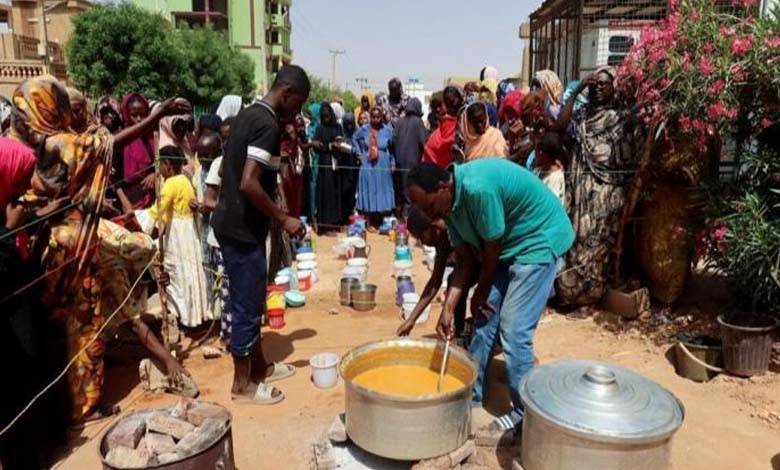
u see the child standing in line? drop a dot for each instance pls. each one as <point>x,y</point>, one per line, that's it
<point>213,183</point>
<point>551,157</point>
<point>183,253</point>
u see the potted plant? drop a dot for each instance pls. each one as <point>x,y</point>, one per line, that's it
<point>702,73</point>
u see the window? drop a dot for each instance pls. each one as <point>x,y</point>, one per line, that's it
<point>620,44</point>
<point>274,37</point>
<point>615,60</point>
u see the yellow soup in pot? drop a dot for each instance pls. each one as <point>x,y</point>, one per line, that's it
<point>406,380</point>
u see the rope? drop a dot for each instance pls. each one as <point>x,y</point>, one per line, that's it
<point>73,359</point>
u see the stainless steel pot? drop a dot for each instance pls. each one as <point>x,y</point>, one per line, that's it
<point>407,428</point>
<point>345,291</point>
<point>363,297</point>
<point>589,414</point>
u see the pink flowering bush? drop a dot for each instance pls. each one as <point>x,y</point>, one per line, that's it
<point>703,72</point>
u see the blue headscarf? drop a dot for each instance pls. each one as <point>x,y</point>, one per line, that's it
<point>492,111</point>
<point>314,112</point>
<point>581,100</point>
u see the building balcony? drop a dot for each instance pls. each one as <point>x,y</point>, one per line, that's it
<point>17,47</point>
<point>279,51</point>
<point>217,20</point>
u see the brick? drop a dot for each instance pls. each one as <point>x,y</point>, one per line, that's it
<point>167,458</point>
<point>201,411</point>
<point>181,407</point>
<point>201,438</point>
<point>122,457</point>
<point>166,424</point>
<point>127,432</point>
<point>338,429</point>
<point>157,444</point>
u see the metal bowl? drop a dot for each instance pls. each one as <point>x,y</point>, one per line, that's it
<point>407,428</point>
<point>363,297</point>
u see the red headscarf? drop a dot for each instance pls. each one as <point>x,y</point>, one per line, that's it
<point>438,149</point>
<point>17,162</point>
<point>513,102</point>
<point>138,154</point>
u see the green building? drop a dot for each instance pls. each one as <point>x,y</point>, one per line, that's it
<point>261,28</point>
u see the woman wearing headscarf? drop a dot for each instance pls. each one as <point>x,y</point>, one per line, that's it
<point>548,81</point>
<point>373,142</point>
<point>338,111</point>
<point>177,131</point>
<point>600,173</point>
<point>229,106</point>
<point>312,163</point>
<point>137,162</point>
<point>349,171</point>
<point>326,140</point>
<point>439,147</point>
<point>108,114</point>
<point>80,119</point>
<point>478,139</point>
<point>84,254</point>
<point>409,139</point>
<point>366,103</point>
<point>23,330</point>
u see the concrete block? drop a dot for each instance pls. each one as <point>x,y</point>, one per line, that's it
<point>157,444</point>
<point>167,424</point>
<point>201,438</point>
<point>123,457</point>
<point>127,433</point>
<point>200,411</point>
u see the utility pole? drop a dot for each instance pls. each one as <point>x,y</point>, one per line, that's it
<point>45,27</point>
<point>334,53</point>
<point>363,82</point>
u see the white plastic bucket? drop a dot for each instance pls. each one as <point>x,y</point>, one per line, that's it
<point>403,268</point>
<point>358,262</point>
<point>324,369</point>
<point>306,257</point>
<point>408,307</point>
<point>360,273</point>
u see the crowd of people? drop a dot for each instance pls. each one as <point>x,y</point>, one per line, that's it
<point>520,190</point>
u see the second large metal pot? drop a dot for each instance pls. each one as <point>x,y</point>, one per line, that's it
<point>407,428</point>
<point>588,414</point>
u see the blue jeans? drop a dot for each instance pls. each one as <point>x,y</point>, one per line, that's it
<point>519,294</point>
<point>246,268</point>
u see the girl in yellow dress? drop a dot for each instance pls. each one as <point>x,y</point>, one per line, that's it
<point>183,257</point>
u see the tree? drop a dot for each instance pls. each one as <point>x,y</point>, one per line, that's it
<point>115,49</point>
<point>321,91</point>
<point>214,68</point>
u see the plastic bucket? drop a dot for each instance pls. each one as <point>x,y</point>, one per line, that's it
<point>358,273</point>
<point>324,369</point>
<point>306,257</point>
<point>276,318</point>
<point>284,281</point>
<point>747,343</point>
<point>403,268</point>
<point>698,357</point>
<point>274,299</point>
<point>358,262</point>
<point>304,281</point>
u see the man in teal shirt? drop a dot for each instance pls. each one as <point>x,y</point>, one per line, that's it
<point>520,229</point>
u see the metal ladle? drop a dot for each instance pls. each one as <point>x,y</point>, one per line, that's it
<point>443,365</point>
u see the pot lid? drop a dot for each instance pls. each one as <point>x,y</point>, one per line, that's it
<point>601,401</point>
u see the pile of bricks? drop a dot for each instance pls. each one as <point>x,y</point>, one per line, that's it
<point>158,437</point>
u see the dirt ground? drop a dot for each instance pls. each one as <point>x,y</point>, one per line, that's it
<point>729,424</point>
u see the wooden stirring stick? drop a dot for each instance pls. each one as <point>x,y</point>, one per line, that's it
<point>443,365</point>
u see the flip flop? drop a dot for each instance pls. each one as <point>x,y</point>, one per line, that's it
<point>263,396</point>
<point>281,371</point>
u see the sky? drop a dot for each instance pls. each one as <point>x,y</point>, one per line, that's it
<point>425,39</point>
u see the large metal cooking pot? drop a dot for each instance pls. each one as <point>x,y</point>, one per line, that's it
<point>589,414</point>
<point>407,428</point>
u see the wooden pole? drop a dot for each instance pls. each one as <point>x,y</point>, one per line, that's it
<point>161,256</point>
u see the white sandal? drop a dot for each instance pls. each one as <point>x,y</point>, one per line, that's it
<point>263,396</point>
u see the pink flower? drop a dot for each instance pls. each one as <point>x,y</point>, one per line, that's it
<point>716,87</point>
<point>773,42</point>
<point>765,123</point>
<point>694,16</point>
<point>727,32</point>
<point>698,124</point>
<point>740,46</point>
<point>716,111</point>
<point>708,47</point>
<point>705,66</point>
<point>685,123</point>
<point>738,73</point>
